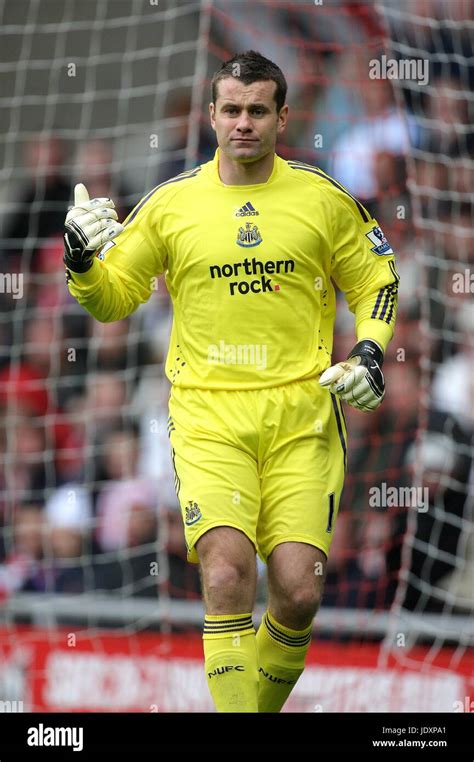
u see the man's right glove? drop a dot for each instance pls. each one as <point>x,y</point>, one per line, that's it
<point>89,224</point>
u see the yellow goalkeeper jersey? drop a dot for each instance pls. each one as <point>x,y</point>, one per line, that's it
<point>251,272</point>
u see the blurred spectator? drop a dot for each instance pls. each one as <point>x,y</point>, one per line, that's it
<point>23,389</point>
<point>28,531</point>
<point>38,441</point>
<point>338,106</point>
<point>115,504</point>
<point>381,132</point>
<point>21,569</point>
<point>68,513</point>
<point>157,316</point>
<point>150,406</point>
<point>445,128</point>
<point>117,346</point>
<point>127,523</point>
<point>105,401</point>
<point>456,234</point>
<point>24,462</point>
<point>94,168</point>
<point>453,384</point>
<point>117,452</point>
<point>24,435</point>
<point>109,344</point>
<point>174,137</point>
<point>39,210</point>
<point>46,284</point>
<point>443,461</point>
<point>41,339</point>
<point>69,507</point>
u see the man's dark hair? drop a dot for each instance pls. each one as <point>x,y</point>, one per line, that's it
<point>251,67</point>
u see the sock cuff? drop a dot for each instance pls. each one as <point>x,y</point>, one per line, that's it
<point>228,624</point>
<point>284,635</point>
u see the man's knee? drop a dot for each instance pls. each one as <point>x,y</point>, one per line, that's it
<point>228,569</point>
<point>296,574</point>
<point>307,601</point>
<point>297,605</point>
<point>228,587</point>
<point>223,574</point>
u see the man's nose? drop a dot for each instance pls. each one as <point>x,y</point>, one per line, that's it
<point>244,123</point>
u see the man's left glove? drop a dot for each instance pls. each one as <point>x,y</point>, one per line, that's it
<point>89,224</point>
<point>359,380</point>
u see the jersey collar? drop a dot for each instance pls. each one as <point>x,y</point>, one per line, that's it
<point>212,169</point>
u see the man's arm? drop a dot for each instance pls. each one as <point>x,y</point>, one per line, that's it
<point>363,267</point>
<point>113,284</point>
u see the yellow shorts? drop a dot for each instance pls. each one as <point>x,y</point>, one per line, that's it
<point>269,462</point>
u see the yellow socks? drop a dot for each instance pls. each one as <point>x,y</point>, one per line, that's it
<point>230,654</point>
<point>281,656</point>
<point>232,666</point>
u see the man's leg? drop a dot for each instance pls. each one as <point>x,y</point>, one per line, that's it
<point>228,572</point>
<point>296,573</point>
<point>302,474</point>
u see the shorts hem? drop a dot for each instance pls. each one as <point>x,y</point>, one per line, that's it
<point>192,555</point>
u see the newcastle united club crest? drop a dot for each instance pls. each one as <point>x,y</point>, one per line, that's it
<point>193,513</point>
<point>248,236</point>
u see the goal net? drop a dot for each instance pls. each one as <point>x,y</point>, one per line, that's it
<point>429,47</point>
<point>100,610</point>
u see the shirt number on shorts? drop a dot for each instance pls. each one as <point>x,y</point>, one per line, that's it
<point>331,512</point>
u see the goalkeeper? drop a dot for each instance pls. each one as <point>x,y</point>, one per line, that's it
<point>251,245</point>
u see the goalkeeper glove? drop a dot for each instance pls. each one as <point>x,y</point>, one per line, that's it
<point>89,224</point>
<point>359,380</point>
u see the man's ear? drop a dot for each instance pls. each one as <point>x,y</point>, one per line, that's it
<point>212,114</point>
<point>282,118</point>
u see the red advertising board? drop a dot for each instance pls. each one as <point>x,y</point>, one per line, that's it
<point>64,670</point>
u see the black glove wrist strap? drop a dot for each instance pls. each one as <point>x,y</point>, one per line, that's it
<point>78,266</point>
<point>368,348</point>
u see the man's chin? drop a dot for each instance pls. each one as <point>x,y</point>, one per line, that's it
<point>243,153</point>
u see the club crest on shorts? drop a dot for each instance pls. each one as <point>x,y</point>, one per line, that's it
<point>193,513</point>
<point>248,236</point>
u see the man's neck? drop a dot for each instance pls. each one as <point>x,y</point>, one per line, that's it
<point>251,173</point>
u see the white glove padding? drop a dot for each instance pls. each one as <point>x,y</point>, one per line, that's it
<point>89,224</point>
<point>358,380</point>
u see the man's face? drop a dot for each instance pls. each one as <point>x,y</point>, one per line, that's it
<point>245,119</point>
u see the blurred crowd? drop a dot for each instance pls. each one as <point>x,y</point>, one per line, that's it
<point>86,496</point>
<point>86,486</point>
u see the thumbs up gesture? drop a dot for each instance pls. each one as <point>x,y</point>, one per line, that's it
<point>89,224</point>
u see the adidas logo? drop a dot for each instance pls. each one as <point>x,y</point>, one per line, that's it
<point>247,210</point>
